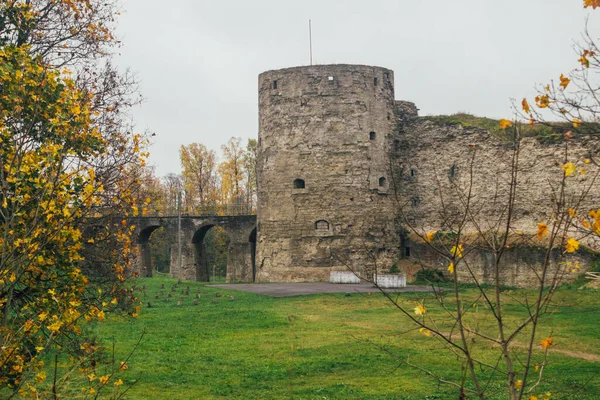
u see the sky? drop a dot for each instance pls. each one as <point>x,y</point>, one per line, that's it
<point>197,61</point>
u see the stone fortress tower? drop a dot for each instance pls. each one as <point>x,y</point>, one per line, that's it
<point>325,200</point>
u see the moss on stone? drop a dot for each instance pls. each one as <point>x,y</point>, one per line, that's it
<point>545,133</point>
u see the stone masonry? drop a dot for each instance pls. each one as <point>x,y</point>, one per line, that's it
<point>241,230</point>
<point>324,198</point>
<point>344,170</point>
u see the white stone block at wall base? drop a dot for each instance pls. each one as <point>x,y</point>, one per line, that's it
<point>391,281</point>
<point>343,277</point>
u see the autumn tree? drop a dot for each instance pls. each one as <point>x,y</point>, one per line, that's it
<point>231,171</point>
<point>250,177</point>
<point>199,176</point>
<point>172,185</point>
<point>66,155</point>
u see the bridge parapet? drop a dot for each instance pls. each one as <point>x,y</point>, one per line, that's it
<point>242,209</point>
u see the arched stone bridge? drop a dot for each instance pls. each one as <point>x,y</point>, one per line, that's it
<point>241,256</point>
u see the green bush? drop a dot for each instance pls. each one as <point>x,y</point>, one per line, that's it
<point>430,276</point>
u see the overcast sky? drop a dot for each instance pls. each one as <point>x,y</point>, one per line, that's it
<point>198,60</point>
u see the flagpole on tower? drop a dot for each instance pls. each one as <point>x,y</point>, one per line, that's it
<point>310,39</point>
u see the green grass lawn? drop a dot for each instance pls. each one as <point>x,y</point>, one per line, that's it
<point>322,346</point>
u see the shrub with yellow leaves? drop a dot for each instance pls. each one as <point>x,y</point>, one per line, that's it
<point>63,154</point>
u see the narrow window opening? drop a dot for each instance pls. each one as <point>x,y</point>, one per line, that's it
<point>275,84</point>
<point>413,172</point>
<point>407,251</point>
<point>322,225</point>
<point>374,81</point>
<point>372,135</point>
<point>415,201</point>
<point>299,184</point>
<point>382,181</point>
<point>389,117</point>
<point>452,172</point>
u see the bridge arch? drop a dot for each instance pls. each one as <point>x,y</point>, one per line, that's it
<point>189,264</point>
<point>201,265</point>
<point>144,248</point>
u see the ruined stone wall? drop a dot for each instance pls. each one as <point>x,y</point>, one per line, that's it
<point>328,128</point>
<point>433,165</point>
<point>437,164</point>
<point>339,158</point>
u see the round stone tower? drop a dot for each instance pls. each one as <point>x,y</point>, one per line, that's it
<point>325,196</point>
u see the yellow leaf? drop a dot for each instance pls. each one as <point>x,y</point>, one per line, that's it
<point>504,123</point>
<point>40,377</point>
<point>118,382</point>
<point>591,3</point>
<point>420,310</point>
<point>572,245</point>
<point>546,343</point>
<point>451,268</point>
<point>429,236</point>
<point>572,213</point>
<point>525,105</point>
<point>569,168</point>
<point>425,331</point>
<point>55,326</point>
<point>457,251</point>
<point>542,230</point>
<point>564,81</point>
<point>518,384</point>
<point>542,101</point>
<point>576,123</point>
<point>104,379</point>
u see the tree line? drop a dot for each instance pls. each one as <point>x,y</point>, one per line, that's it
<point>208,184</point>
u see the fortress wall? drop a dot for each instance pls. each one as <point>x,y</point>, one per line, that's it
<point>330,126</point>
<point>439,156</point>
<point>339,158</point>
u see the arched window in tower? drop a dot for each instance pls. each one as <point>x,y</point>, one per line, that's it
<point>299,184</point>
<point>322,225</point>
<point>372,135</point>
<point>382,181</point>
<point>275,84</point>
